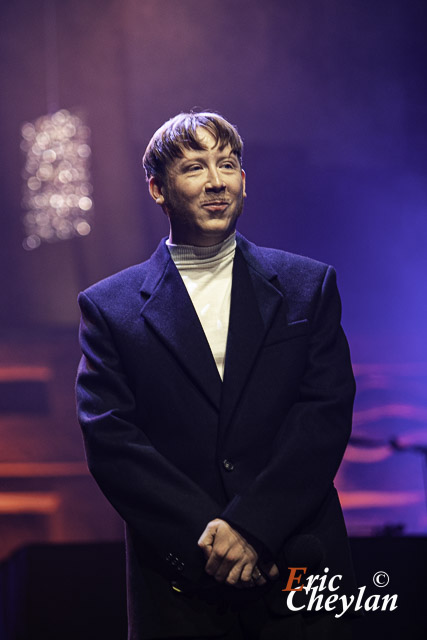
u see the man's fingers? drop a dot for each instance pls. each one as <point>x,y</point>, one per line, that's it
<point>207,538</point>
<point>269,570</point>
<point>218,566</point>
<point>222,563</point>
<point>227,548</point>
<point>231,558</point>
<point>233,574</point>
<point>219,560</point>
<point>247,572</point>
<point>258,577</point>
<point>273,574</point>
<point>241,575</point>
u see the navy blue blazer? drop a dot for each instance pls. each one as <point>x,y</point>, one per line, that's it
<point>172,446</point>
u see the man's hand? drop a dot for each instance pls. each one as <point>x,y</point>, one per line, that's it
<point>231,558</point>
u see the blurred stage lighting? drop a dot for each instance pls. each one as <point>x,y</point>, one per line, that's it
<point>57,193</point>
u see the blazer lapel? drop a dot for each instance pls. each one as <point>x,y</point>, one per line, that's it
<point>254,304</point>
<point>169,311</point>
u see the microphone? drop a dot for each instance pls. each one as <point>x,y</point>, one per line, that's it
<point>304,550</point>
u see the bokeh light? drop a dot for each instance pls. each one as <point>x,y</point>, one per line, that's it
<point>57,193</point>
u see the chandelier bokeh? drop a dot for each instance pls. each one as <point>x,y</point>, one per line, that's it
<point>57,193</point>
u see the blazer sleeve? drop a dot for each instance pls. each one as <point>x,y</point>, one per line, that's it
<point>164,507</point>
<point>311,440</point>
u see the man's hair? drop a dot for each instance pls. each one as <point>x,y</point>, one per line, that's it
<point>179,133</point>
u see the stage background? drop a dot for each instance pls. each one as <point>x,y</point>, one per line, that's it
<point>330,99</point>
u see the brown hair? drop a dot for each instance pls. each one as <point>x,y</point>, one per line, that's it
<point>179,133</point>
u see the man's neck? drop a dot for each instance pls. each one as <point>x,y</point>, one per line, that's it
<point>209,241</point>
<point>171,242</point>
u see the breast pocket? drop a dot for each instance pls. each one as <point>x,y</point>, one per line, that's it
<point>292,330</point>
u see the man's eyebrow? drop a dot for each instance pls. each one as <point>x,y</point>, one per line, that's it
<point>231,154</point>
<point>198,155</point>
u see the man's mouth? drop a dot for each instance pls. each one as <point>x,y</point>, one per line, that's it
<point>215,205</point>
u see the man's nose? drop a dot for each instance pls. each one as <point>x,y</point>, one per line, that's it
<point>214,182</point>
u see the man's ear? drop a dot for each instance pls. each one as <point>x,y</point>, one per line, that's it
<point>155,190</point>
<point>244,183</point>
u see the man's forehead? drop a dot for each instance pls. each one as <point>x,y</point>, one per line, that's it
<point>205,137</point>
<point>208,144</point>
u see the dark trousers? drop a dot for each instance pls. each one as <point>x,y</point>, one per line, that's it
<point>256,622</point>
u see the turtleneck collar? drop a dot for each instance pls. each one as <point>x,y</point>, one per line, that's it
<point>186,254</point>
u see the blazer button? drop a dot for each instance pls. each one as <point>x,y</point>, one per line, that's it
<point>229,466</point>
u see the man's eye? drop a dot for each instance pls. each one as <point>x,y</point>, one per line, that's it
<point>194,167</point>
<point>228,165</point>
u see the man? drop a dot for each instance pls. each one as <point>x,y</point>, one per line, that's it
<point>215,396</point>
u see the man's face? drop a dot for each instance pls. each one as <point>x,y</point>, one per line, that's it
<point>202,194</point>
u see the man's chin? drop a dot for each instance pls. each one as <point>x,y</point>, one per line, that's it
<point>216,233</point>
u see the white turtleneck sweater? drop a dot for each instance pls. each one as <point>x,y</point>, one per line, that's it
<point>207,275</point>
